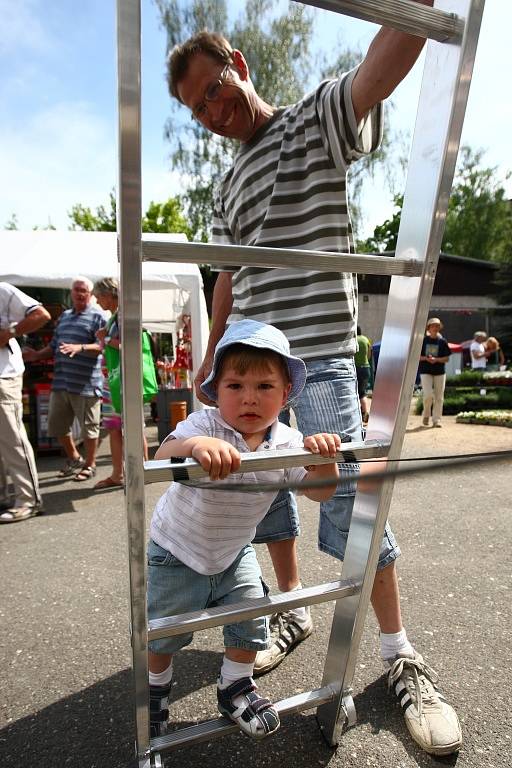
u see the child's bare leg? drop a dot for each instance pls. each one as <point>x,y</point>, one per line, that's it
<point>160,680</point>
<point>158,662</point>
<point>237,697</point>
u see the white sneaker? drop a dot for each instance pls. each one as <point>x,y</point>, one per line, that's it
<point>289,635</point>
<point>431,721</point>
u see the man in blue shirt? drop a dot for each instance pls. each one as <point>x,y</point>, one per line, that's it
<point>77,381</point>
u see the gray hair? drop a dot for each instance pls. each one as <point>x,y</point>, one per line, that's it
<point>82,279</point>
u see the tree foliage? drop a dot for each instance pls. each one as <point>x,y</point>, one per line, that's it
<point>198,154</point>
<point>159,217</point>
<point>478,220</point>
<point>278,47</point>
<point>12,223</point>
<point>102,220</point>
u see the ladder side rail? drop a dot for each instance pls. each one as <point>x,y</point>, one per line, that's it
<point>278,258</point>
<point>442,104</point>
<point>403,15</point>
<point>129,229</point>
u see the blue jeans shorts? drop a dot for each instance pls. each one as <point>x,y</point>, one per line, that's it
<point>174,588</point>
<point>328,403</point>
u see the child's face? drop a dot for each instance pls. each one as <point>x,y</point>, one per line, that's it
<point>251,402</point>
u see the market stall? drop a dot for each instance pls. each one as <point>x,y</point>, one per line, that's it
<point>43,263</point>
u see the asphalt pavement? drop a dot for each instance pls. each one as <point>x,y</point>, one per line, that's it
<point>65,656</point>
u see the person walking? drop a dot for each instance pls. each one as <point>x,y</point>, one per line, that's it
<point>77,380</point>
<point>19,315</point>
<point>287,187</point>
<point>434,355</point>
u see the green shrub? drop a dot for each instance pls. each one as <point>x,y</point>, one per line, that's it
<point>465,379</point>
<point>471,400</point>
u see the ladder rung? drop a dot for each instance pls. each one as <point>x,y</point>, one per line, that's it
<point>278,258</point>
<point>214,729</point>
<point>195,621</point>
<point>404,15</point>
<point>165,470</point>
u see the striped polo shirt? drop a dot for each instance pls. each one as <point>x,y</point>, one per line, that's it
<point>81,374</point>
<point>205,528</point>
<point>287,188</point>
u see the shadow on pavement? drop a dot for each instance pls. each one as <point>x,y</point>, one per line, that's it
<point>61,503</point>
<point>94,728</point>
<point>377,708</point>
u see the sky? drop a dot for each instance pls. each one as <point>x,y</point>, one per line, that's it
<point>58,105</point>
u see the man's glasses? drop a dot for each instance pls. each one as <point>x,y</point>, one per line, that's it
<point>211,93</point>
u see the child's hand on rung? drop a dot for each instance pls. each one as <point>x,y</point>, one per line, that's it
<point>324,443</point>
<point>216,457</point>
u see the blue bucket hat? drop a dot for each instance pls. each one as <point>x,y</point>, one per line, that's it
<point>263,336</point>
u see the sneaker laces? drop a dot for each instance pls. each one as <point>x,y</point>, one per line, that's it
<point>419,680</point>
<point>278,622</point>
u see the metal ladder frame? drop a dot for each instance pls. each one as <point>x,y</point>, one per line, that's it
<point>447,76</point>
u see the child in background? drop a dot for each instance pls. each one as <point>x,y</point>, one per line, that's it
<point>200,551</point>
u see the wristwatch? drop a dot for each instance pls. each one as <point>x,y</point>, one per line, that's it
<point>12,329</point>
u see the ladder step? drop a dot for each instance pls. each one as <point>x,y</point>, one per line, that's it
<point>217,616</point>
<point>166,470</point>
<point>214,729</point>
<point>284,258</point>
<point>403,15</point>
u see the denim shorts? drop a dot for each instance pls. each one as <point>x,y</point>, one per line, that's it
<point>174,588</point>
<point>328,403</point>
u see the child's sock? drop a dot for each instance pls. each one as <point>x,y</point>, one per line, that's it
<point>232,671</point>
<point>300,616</point>
<point>395,644</point>
<point>159,691</point>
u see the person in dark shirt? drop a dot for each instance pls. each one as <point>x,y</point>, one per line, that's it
<point>434,354</point>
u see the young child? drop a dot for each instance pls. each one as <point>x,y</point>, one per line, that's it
<point>200,553</point>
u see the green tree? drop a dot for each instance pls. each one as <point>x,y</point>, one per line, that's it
<point>478,220</point>
<point>278,48</point>
<point>384,235</point>
<point>102,220</point>
<point>159,217</point>
<point>12,223</point>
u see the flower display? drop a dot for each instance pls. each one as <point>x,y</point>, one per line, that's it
<point>492,418</point>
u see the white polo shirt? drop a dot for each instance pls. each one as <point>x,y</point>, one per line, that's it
<point>206,529</point>
<point>477,362</point>
<point>14,307</point>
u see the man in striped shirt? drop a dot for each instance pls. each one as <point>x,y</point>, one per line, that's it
<point>77,379</point>
<point>287,188</point>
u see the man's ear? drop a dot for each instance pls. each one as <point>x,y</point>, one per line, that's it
<point>240,64</point>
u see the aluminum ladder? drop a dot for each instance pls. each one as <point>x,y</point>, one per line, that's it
<point>452,28</point>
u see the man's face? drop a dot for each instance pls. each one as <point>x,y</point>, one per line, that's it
<point>80,296</point>
<point>231,114</point>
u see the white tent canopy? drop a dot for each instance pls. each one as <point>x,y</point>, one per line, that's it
<point>51,259</point>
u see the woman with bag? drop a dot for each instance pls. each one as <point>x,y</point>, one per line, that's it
<point>107,295</point>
